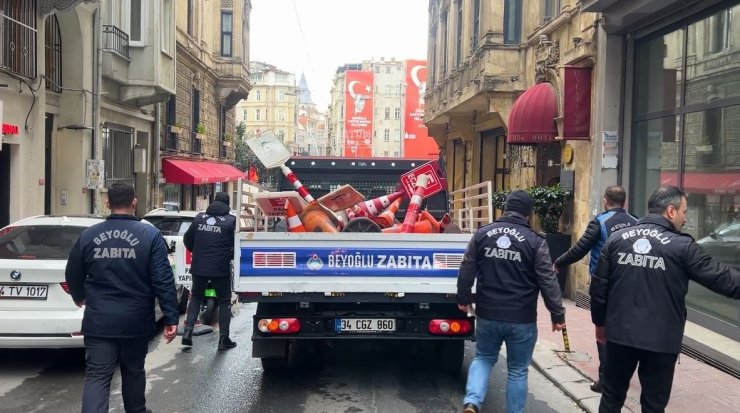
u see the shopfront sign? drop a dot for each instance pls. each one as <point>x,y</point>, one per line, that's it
<point>577,103</point>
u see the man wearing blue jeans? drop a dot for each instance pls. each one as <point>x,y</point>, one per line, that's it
<point>511,264</point>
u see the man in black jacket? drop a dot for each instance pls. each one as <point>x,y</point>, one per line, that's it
<point>511,264</point>
<point>211,239</point>
<point>116,269</point>
<point>612,219</point>
<point>638,299</point>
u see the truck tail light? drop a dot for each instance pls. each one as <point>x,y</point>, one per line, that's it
<point>279,325</point>
<point>449,327</point>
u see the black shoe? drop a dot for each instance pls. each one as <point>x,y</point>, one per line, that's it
<point>187,337</point>
<point>596,387</point>
<point>225,343</point>
<point>470,408</point>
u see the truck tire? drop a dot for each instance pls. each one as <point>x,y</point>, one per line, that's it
<point>450,356</point>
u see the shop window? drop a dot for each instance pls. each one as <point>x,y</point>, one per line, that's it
<point>659,63</point>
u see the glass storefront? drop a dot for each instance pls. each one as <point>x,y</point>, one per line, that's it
<point>686,132</point>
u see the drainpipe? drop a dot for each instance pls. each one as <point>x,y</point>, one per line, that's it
<point>156,154</point>
<point>97,72</point>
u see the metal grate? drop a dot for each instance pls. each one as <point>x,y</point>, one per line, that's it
<point>447,261</point>
<point>227,4</point>
<point>118,154</point>
<point>53,56</point>
<point>273,260</point>
<point>583,300</point>
<point>18,37</point>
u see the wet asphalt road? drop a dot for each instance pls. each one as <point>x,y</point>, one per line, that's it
<point>350,378</point>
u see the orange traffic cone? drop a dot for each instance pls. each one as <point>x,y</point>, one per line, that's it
<point>318,218</point>
<point>294,222</point>
<point>426,216</point>
<point>374,206</point>
<point>412,212</point>
<point>420,227</point>
<point>388,217</point>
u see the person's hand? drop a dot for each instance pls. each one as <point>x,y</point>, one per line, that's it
<point>557,326</point>
<point>554,267</point>
<point>170,332</point>
<point>601,334</point>
<point>465,308</point>
<point>80,303</point>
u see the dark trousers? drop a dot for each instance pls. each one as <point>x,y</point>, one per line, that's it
<point>222,285</point>
<point>602,360</point>
<point>655,372</point>
<point>102,355</point>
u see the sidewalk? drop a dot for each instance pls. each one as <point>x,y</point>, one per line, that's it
<point>697,387</point>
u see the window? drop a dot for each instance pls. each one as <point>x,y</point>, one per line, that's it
<point>256,77</point>
<point>388,90</point>
<point>281,115</point>
<point>281,95</point>
<point>244,115</point>
<point>396,154</point>
<point>118,147</point>
<point>386,153</point>
<point>376,69</point>
<point>137,27</point>
<point>476,25</point>
<point>19,26</point>
<point>40,241</point>
<point>433,51</point>
<point>191,16</point>
<point>387,69</point>
<point>443,40</point>
<point>257,95</point>
<point>166,26</point>
<point>398,113</point>
<point>53,56</point>
<point>719,31</point>
<point>387,113</point>
<point>281,77</point>
<point>459,24</point>
<point>397,135</point>
<point>512,21</point>
<point>398,91</point>
<point>257,115</point>
<point>281,135</point>
<point>387,135</point>
<point>227,32</point>
<point>550,10</point>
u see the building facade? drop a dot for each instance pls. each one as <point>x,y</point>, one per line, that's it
<point>271,105</point>
<point>677,120</point>
<point>197,123</point>
<point>311,136</point>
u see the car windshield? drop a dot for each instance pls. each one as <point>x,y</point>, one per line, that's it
<point>171,225</point>
<point>730,230</point>
<point>38,241</point>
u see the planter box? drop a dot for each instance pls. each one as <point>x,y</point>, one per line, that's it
<point>175,129</point>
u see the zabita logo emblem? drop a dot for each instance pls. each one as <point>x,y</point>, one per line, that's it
<point>211,221</point>
<point>314,263</point>
<point>504,242</point>
<point>642,246</point>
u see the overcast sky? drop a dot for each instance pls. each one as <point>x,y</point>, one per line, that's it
<point>335,32</point>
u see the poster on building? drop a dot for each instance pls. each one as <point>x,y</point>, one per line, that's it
<point>95,177</point>
<point>358,114</point>
<point>416,142</point>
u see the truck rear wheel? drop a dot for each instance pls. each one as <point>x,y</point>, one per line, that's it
<point>450,355</point>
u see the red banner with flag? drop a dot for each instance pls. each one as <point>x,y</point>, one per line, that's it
<point>416,143</point>
<point>358,114</point>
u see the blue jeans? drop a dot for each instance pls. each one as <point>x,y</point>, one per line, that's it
<point>520,340</point>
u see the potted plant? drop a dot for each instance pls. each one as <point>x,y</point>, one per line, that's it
<point>228,140</point>
<point>200,131</point>
<point>177,128</point>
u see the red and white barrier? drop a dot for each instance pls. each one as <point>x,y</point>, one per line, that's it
<point>302,191</point>
<point>412,212</point>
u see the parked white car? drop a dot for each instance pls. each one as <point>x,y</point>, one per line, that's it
<point>36,309</point>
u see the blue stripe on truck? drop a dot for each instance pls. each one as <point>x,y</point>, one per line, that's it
<point>358,262</point>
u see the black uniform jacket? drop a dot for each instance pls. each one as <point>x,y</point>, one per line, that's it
<point>211,239</point>
<point>118,267</point>
<point>512,265</point>
<point>639,289</point>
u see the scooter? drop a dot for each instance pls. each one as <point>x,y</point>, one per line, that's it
<point>209,306</point>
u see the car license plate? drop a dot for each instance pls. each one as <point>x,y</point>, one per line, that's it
<point>365,325</point>
<point>34,292</point>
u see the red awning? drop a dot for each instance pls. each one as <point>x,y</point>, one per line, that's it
<point>179,171</point>
<point>532,118</point>
<point>705,182</point>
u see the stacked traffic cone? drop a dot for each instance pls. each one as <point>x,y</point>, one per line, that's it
<point>419,227</point>
<point>302,190</point>
<point>412,212</point>
<point>375,206</point>
<point>316,218</point>
<point>388,217</point>
<point>294,222</point>
<point>426,216</point>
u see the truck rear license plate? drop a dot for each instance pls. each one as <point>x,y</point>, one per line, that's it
<point>365,325</point>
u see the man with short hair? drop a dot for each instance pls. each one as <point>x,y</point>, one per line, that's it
<point>612,219</point>
<point>511,264</point>
<point>116,269</point>
<point>638,301</point>
<point>211,239</point>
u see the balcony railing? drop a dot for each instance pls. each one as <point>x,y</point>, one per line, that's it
<point>18,42</point>
<point>115,39</point>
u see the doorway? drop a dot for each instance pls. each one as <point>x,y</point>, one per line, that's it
<point>5,185</point>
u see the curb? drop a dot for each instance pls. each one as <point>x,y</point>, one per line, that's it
<point>566,377</point>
